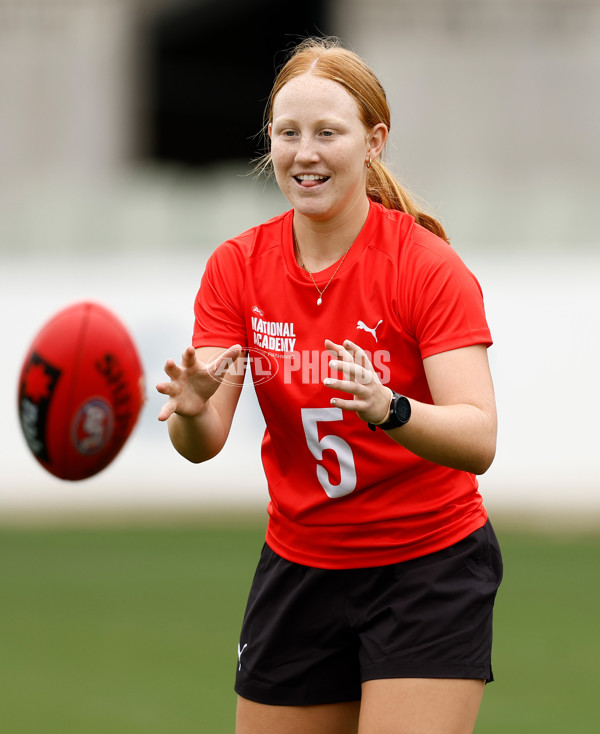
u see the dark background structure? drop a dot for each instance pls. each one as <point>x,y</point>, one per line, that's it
<point>210,77</point>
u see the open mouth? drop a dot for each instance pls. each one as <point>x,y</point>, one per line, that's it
<point>311,179</point>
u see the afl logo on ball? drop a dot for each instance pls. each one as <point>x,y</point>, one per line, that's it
<point>93,426</point>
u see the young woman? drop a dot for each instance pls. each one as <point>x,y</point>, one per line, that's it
<point>371,608</point>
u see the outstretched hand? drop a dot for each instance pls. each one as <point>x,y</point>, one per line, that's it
<point>193,382</point>
<point>370,399</point>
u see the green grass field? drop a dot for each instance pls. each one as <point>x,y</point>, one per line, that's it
<point>134,629</point>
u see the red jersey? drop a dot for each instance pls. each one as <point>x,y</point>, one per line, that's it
<point>341,495</point>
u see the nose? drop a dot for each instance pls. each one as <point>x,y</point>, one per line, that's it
<point>307,150</point>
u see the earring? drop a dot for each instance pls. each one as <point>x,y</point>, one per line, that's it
<point>369,162</point>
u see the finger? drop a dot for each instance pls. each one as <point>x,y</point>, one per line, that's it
<point>335,349</point>
<point>339,350</point>
<point>358,354</point>
<point>224,361</point>
<point>353,371</point>
<point>354,405</point>
<point>188,358</point>
<point>172,369</point>
<point>361,358</point>
<point>167,410</point>
<point>348,386</point>
<point>227,355</point>
<point>165,388</point>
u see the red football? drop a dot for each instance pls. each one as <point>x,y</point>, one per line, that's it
<point>81,390</point>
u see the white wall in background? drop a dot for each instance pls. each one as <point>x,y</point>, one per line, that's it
<point>545,317</point>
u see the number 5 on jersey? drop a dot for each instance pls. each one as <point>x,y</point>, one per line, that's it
<point>310,418</point>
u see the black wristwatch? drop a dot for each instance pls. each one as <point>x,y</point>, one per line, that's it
<point>399,413</point>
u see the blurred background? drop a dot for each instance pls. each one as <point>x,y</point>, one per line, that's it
<point>127,130</point>
<point>126,134</point>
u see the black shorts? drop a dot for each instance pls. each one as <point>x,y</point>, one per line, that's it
<point>312,636</point>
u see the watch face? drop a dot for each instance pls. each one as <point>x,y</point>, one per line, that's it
<point>402,408</point>
<point>399,413</point>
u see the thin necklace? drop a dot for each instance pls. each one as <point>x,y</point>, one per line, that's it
<point>303,266</point>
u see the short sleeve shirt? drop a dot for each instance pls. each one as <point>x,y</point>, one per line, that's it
<point>341,495</point>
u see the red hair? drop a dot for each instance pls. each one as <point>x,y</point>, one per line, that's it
<point>325,57</point>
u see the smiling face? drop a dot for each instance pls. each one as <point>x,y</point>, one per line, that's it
<point>319,148</point>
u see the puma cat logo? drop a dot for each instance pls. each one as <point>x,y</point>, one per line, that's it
<point>362,325</point>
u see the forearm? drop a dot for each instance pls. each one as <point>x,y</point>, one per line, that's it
<point>458,436</point>
<point>203,392</point>
<point>198,438</point>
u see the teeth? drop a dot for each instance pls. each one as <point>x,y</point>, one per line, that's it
<point>310,177</point>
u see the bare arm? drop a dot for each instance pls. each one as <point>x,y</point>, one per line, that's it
<point>458,430</point>
<point>203,393</point>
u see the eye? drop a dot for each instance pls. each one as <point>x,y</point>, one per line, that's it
<point>327,133</point>
<point>288,133</point>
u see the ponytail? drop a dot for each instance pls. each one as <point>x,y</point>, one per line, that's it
<point>384,188</point>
